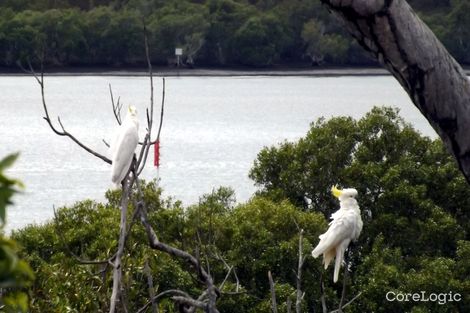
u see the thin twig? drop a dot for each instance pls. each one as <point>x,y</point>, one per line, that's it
<point>322,295</point>
<point>343,292</point>
<point>230,269</point>
<point>347,255</point>
<point>347,303</point>
<point>162,112</point>
<point>221,286</point>
<point>150,286</point>
<point>40,80</point>
<point>116,107</point>
<point>146,147</point>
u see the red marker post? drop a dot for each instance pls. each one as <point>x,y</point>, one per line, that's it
<point>156,160</point>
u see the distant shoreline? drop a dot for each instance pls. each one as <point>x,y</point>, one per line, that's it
<point>214,72</point>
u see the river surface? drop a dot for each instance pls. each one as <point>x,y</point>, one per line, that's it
<point>213,129</point>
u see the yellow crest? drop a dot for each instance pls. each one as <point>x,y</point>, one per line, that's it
<point>335,191</point>
<point>132,109</point>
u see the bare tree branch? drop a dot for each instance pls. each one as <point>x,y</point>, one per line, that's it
<point>190,302</point>
<point>289,305</point>
<point>63,132</point>
<point>149,65</point>
<point>322,295</point>
<point>117,271</point>
<point>150,286</point>
<point>230,269</point>
<point>347,303</point>
<point>166,293</point>
<point>221,286</point>
<point>300,294</point>
<point>273,293</point>
<point>162,112</point>
<point>341,306</point>
<point>343,292</point>
<point>116,107</point>
<point>146,147</point>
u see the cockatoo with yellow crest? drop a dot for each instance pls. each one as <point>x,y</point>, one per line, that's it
<point>124,145</point>
<point>346,225</point>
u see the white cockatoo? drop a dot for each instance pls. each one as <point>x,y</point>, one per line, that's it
<point>124,145</point>
<point>346,225</point>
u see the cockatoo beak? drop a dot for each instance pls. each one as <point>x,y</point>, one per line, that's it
<point>335,191</point>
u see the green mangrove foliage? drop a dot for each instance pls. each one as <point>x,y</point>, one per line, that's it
<point>253,238</point>
<point>415,206</point>
<point>15,274</point>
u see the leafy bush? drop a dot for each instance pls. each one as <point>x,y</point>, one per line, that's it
<point>15,273</point>
<point>88,231</point>
<point>410,192</point>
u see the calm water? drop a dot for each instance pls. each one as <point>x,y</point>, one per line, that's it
<point>213,130</point>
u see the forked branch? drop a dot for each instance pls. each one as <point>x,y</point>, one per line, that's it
<point>62,132</point>
<point>117,107</point>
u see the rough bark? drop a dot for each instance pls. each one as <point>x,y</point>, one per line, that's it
<point>300,294</point>
<point>117,264</point>
<point>392,32</point>
<point>273,293</point>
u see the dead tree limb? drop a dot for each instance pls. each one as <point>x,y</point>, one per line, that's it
<point>347,303</point>
<point>117,263</point>
<point>289,305</point>
<point>166,293</point>
<point>40,80</point>
<point>345,285</point>
<point>302,258</point>
<point>322,295</point>
<point>273,293</point>
<point>148,273</point>
<point>148,137</point>
<point>117,107</point>
<point>342,305</point>
<point>395,36</point>
<point>230,270</point>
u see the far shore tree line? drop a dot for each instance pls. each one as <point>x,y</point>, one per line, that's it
<point>258,33</point>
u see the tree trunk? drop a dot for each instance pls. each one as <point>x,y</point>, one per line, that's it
<point>392,32</point>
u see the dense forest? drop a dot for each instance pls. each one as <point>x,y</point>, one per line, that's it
<point>211,32</point>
